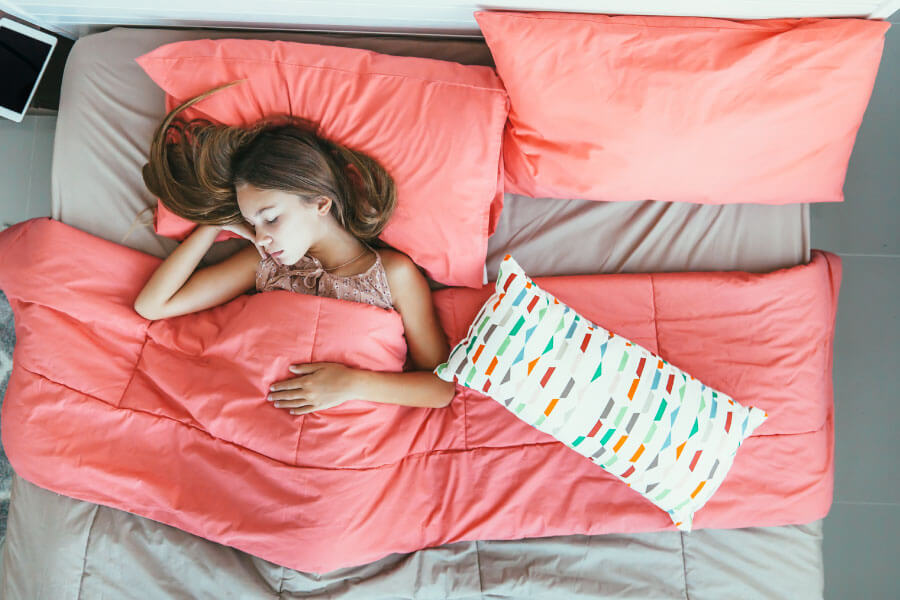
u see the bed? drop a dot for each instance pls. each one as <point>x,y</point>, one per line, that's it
<point>59,547</point>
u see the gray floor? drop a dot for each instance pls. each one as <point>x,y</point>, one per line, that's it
<point>26,152</point>
<point>862,532</point>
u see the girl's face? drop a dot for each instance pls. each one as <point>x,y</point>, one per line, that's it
<point>285,225</point>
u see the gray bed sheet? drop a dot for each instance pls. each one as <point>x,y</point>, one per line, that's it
<point>58,547</point>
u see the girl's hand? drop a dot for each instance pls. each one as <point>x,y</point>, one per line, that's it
<point>246,232</point>
<point>318,386</point>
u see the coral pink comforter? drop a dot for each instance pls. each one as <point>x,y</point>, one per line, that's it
<point>168,419</point>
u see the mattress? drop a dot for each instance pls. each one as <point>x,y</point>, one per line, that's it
<point>58,547</point>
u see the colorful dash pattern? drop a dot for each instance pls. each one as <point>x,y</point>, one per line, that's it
<point>666,434</point>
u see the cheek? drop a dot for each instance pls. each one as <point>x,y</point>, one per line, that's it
<point>289,234</point>
<point>298,229</point>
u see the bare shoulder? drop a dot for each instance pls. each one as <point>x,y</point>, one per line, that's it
<point>408,284</point>
<point>412,298</point>
<point>396,264</point>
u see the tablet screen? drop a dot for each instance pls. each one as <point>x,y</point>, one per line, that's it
<point>21,60</point>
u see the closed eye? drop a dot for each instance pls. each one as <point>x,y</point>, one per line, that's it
<point>272,221</point>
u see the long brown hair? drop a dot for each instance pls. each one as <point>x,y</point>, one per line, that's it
<point>195,166</point>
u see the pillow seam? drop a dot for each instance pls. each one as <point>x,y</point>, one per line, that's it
<point>499,90</point>
<point>654,315</point>
<point>581,19</point>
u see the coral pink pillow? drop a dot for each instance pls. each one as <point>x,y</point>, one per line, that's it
<point>436,126</point>
<point>681,109</point>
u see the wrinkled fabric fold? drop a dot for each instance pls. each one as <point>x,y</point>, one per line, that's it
<point>168,419</point>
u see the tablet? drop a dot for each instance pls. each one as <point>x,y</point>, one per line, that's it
<point>24,54</point>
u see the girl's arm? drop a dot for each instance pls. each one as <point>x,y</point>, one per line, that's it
<point>414,388</point>
<point>175,270</point>
<point>319,386</point>
<point>426,340</point>
<point>174,289</point>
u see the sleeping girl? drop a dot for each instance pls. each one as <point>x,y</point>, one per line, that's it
<point>311,210</point>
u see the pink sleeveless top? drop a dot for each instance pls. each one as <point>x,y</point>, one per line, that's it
<point>308,277</point>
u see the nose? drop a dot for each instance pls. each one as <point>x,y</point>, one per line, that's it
<point>263,241</point>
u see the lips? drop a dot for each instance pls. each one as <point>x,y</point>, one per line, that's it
<point>276,254</point>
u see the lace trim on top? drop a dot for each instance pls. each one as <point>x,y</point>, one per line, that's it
<point>308,276</point>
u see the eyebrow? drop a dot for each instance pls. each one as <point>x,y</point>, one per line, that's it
<point>262,209</point>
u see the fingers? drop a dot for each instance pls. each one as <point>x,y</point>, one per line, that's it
<point>289,394</point>
<point>306,368</point>
<point>299,406</point>
<point>292,398</point>
<point>288,386</point>
<point>286,399</point>
<point>293,403</point>
<point>244,231</point>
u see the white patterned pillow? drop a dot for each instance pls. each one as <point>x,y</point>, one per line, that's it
<point>663,432</point>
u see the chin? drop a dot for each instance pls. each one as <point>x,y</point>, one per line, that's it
<point>286,260</point>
